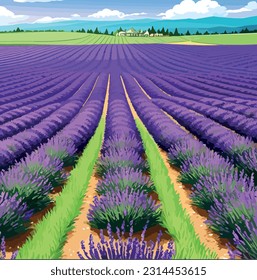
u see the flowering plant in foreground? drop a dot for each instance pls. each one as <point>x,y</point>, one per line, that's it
<point>14,214</point>
<point>120,206</point>
<point>3,250</point>
<point>124,177</point>
<point>126,249</point>
<point>120,158</point>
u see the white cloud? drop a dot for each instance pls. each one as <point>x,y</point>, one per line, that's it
<point>75,15</point>
<point>107,13</point>
<point>192,9</point>
<point>51,19</point>
<point>203,8</point>
<point>8,17</point>
<point>251,6</point>
<point>34,1</point>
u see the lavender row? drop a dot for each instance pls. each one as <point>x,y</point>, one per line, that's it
<point>63,89</point>
<point>26,186</point>
<point>239,149</point>
<point>226,186</point>
<point>25,142</point>
<point>163,129</point>
<point>228,195</point>
<point>123,205</point>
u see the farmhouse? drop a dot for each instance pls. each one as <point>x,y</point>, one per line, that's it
<point>133,33</point>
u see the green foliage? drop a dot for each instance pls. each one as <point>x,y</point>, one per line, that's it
<point>174,217</point>
<point>52,230</point>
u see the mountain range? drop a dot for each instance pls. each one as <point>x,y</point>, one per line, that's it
<point>211,24</point>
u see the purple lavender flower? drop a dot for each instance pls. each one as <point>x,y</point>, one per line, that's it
<point>14,214</point>
<point>3,250</point>
<point>123,205</point>
<point>203,164</point>
<point>247,160</point>
<point>218,185</point>
<point>31,188</point>
<point>124,177</point>
<point>44,165</point>
<point>114,159</point>
<point>227,213</point>
<point>126,249</point>
<point>61,148</point>
<point>183,150</point>
<point>246,239</point>
<point>121,141</point>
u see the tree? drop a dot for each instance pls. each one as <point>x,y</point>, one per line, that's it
<point>206,33</point>
<point>96,31</point>
<point>163,31</point>
<point>83,30</point>
<point>225,32</point>
<point>188,33</point>
<point>171,33</point>
<point>152,31</point>
<point>106,32</point>
<point>198,33</point>
<point>176,33</point>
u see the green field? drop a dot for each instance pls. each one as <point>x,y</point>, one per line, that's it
<point>73,38</point>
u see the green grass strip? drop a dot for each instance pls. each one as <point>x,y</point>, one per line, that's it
<point>174,217</point>
<point>51,233</point>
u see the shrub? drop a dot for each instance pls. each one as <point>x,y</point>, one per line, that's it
<point>247,161</point>
<point>246,239</point>
<point>31,188</point>
<point>184,150</point>
<point>201,165</point>
<point>112,160</point>
<point>121,141</point>
<point>124,177</point>
<point>45,166</point>
<point>123,206</point>
<point>63,149</point>
<point>126,249</point>
<point>3,250</point>
<point>215,186</point>
<point>229,212</point>
<point>14,214</point>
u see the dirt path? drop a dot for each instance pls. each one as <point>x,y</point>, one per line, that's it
<point>82,230</point>
<point>197,216</point>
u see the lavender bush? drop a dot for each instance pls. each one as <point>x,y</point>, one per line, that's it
<point>31,188</point>
<point>63,149</point>
<point>246,239</point>
<point>45,166</point>
<point>124,177</point>
<point>122,141</point>
<point>229,212</point>
<point>122,158</point>
<point>183,150</point>
<point>3,250</point>
<point>14,214</point>
<point>126,249</point>
<point>216,185</point>
<point>123,206</point>
<point>203,164</point>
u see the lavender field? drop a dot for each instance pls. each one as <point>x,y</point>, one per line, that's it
<point>121,145</point>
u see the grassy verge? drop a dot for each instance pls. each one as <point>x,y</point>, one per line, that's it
<point>50,234</point>
<point>174,217</point>
<point>74,38</point>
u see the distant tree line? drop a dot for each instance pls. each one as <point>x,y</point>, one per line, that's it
<point>152,30</point>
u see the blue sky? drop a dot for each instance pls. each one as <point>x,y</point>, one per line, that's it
<point>16,11</point>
